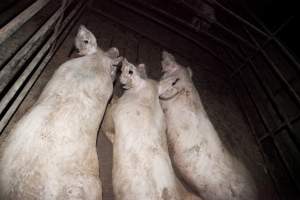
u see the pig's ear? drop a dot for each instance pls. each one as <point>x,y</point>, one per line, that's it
<point>125,62</point>
<point>142,70</point>
<point>113,52</point>
<point>168,62</point>
<point>190,71</point>
<point>167,89</point>
<point>168,56</point>
<point>117,61</point>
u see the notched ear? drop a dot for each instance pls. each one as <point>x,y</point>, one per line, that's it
<point>142,70</point>
<point>190,71</point>
<point>166,89</point>
<point>113,53</point>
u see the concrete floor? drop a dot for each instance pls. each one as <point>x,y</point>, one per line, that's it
<point>216,93</point>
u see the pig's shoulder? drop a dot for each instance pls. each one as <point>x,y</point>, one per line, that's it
<point>153,84</point>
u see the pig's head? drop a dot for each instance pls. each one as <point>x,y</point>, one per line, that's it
<point>85,41</point>
<point>113,56</point>
<point>175,77</point>
<point>131,75</point>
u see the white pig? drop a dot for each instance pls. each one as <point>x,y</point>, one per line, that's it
<point>142,167</point>
<point>195,146</point>
<point>51,152</point>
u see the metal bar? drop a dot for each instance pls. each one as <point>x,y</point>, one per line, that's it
<point>237,36</point>
<point>79,9</point>
<point>214,3</point>
<point>157,42</point>
<point>277,42</point>
<point>26,51</point>
<point>179,32</point>
<point>276,70</point>
<point>275,105</point>
<point>270,132</point>
<point>278,129</point>
<point>216,39</point>
<point>269,39</point>
<point>22,78</point>
<point>20,19</point>
<point>260,114</point>
<point>288,54</point>
<point>252,129</point>
<point>272,34</point>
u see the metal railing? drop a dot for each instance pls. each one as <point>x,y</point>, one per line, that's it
<point>34,54</point>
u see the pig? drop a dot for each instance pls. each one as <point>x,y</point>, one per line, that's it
<point>195,147</point>
<point>51,151</point>
<point>141,164</point>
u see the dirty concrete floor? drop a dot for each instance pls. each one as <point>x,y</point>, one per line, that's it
<point>216,93</point>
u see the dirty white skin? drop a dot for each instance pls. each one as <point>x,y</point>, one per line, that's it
<point>195,146</point>
<point>141,165</point>
<point>51,152</point>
